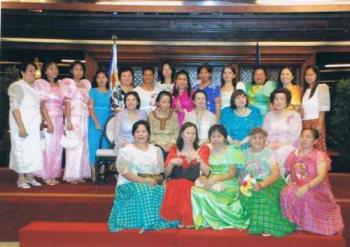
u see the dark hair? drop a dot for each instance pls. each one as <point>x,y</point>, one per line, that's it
<point>197,92</point>
<point>204,66</point>
<point>234,95</point>
<point>125,69</point>
<point>284,91</point>
<point>141,122</point>
<point>77,62</point>
<point>160,71</point>
<point>146,68</point>
<point>160,96</point>
<point>180,141</point>
<point>291,70</point>
<point>219,128</point>
<point>234,81</point>
<point>259,131</point>
<point>94,81</point>
<point>257,68</point>
<point>136,95</point>
<point>23,66</point>
<point>189,86</point>
<point>44,68</point>
<point>314,132</point>
<point>316,70</point>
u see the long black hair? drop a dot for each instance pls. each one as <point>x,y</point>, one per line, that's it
<point>189,86</point>
<point>234,81</point>
<point>77,62</point>
<point>316,70</point>
<point>160,71</point>
<point>44,68</point>
<point>291,70</point>
<point>180,141</point>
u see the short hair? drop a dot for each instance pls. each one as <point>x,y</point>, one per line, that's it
<point>234,95</point>
<point>197,92</point>
<point>284,91</point>
<point>219,128</point>
<point>291,70</point>
<point>257,68</point>
<point>125,69</point>
<point>180,141</point>
<point>94,81</point>
<point>204,66</point>
<point>23,66</point>
<point>160,71</point>
<point>162,94</point>
<point>147,68</point>
<point>141,122</point>
<point>44,68</point>
<point>136,95</point>
<point>314,132</point>
<point>75,63</point>
<point>259,131</point>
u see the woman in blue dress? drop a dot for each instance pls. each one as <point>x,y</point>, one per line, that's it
<point>99,111</point>
<point>240,119</point>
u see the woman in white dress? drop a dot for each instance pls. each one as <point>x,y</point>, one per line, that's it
<point>25,120</point>
<point>200,116</point>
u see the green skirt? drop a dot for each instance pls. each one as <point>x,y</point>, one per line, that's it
<point>137,205</point>
<point>265,212</point>
<point>219,210</point>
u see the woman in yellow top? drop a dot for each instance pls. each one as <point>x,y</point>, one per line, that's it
<point>286,79</point>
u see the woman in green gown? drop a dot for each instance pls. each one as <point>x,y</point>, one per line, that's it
<point>215,200</point>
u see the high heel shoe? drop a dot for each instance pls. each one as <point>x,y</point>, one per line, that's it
<point>23,185</point>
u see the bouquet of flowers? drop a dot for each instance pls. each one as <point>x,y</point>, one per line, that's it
<point>247,185</point>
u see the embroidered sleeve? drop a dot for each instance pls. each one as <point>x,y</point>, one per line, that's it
<point>16,95</point>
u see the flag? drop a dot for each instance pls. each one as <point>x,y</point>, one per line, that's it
<point>113,69</point>
<point>257,55</point>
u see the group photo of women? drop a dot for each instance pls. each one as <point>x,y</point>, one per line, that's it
<point>228,154</point>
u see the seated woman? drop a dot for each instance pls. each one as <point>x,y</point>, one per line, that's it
<point>126,118</point>
<point>163,121</point>
<point>182,167</point>
<point>283,126</point>
<point>200,116</point>
<point>215,200</point>
<point>182,93</point>
<point>139,191</point>
<point>239,119</point>
<point>263,202</point>
<point>308,200</point>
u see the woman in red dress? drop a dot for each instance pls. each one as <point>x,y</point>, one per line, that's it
<point>183,165</point>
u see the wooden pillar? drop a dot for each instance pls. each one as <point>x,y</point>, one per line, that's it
<point>91,66</point>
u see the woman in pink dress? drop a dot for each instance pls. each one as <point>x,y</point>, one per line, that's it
<point>76,96</point>
<point>283,126</point>
<point>308,200</point>
<point>182,95</point>
<point>52,98</point>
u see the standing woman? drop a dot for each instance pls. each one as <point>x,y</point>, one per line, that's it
<point>200,116</point>
<point>204,74</point>
<point>240,119</point>
<point>99,111</point>
<point>315,104</point>
<point>139,191</point>
<point>182,167</point>
<point>76,94</point>
<point>286,79</point>
<point>25,120</point>
<point>148,90</point>
<point>283,125</point>
<point>166,72</point>
<point>217,203</point>
<point>182,93</point>
<point>126,119</point>
<point>126,78</point>
<point>52,107</point>
<point>228,85</point>
<point>260,89</point>
<point>163,122</point>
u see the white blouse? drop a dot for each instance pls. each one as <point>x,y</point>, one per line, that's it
<point>226,96</point>
<point>148,98</point>
<point>320,101</point>
<point>203,124</point>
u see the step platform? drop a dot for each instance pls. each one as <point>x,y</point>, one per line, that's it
<point>77,234</point>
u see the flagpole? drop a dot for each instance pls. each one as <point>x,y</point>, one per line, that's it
<point>114,80</point>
